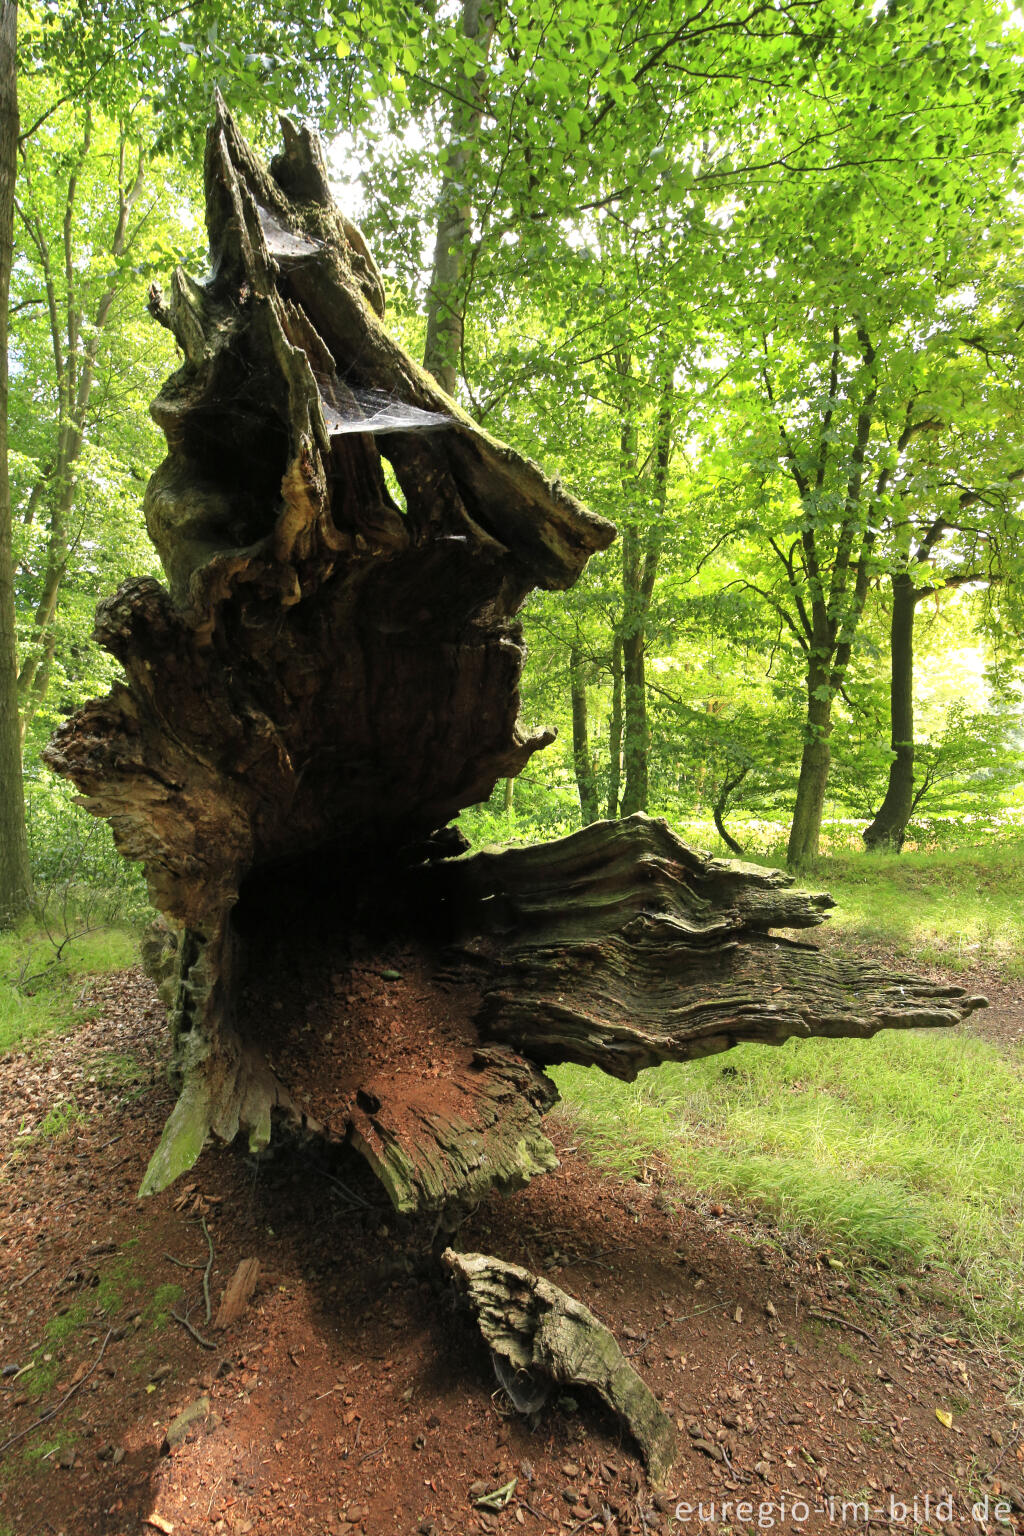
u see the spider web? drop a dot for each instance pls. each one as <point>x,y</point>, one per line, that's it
<point>352,408</point>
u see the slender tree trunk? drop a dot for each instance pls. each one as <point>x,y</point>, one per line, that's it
<point>636,734</point>
<point>805,833</point>
<point>720,806</point>
<point>640,559</point>
<point>615,732</point>
<point>510,795</point>
<point>28,517</point>
<point>34,674</point>
<point>582,761</point>
<point>889,828</point>
<point>445,299</point>
<point>15,885</point>
<point>75,370</point>
<point>835,613</point>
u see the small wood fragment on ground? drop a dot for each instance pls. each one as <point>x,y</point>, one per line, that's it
<point>238,1293</point>
<point>534,1328</point>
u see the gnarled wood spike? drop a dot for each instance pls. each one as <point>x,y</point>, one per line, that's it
<point>620,947</point>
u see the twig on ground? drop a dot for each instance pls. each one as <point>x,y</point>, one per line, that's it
<point>713,1307</point>
<point>844,1322</point>
<point>178,1318</point>
<point>1011,1445</point>
<point>206,1271</point>
<point>25,1278</point>
<point>44,1418</point>
<point>213,1495</point>
<point>186,1263</point>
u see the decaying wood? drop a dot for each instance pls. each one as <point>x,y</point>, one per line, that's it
<point>621,947</point>
<point>238,1293</point>
<point>330,674</point>
<point>538,1333</point>
<point>491,1138</point>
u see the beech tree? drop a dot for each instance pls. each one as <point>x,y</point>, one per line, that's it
<point>14,869</point>
<point>956,521</point>
<point>89,226</point>
<point>835,389</point>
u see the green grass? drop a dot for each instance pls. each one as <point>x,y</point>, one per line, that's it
<point>47,1364</point>
<point>38,990</point>
<point>60,1120</point>
<point>60,1328</point>
<point>952,909</point>
<point>121,1285</point>
<point>52,1447</point>
<point>955,908</point>
<point>164,1298</point>
<point>903,1150</point>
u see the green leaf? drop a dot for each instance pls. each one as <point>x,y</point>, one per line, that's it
<point>499,1498</point>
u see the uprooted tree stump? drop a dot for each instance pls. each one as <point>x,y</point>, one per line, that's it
<point>328,678</point>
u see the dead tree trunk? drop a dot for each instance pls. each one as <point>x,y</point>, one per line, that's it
<point>326,680</point>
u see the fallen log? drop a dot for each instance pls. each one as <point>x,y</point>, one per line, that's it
<point>329,676</point>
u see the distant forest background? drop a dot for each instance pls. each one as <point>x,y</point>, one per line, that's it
<point>747,278</point>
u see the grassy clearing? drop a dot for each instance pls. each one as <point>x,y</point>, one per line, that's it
<point>955,908</point>
<point>952,909</point>
<point>39,988</point>
<point>904,1150</point>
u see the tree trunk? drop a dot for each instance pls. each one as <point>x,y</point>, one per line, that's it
<point>75,374</point>
<point>805,833</point>
<point>582,762</point>
<point>636,736</point>
<point>34,673</point>
<point>888,830</point>
<point>719,808</point>
<point>445,299</point>
<point>640,559</point>
<point>323,685</point>
<point>15,884</point>
<point>615,732</point>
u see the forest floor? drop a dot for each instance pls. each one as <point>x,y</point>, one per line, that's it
<point>351,1396</point>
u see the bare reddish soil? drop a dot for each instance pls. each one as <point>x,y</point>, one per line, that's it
<point>336,1027</point>
<point>352,1396</point>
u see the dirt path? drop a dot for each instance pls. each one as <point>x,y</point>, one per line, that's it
<point>352,1397</point>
